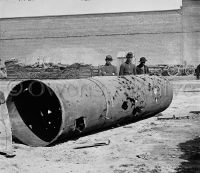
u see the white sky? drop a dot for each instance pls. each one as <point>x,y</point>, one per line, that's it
<point>21,8</point>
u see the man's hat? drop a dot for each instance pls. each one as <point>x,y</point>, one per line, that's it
<point>109,58</point>
<point>143,59</point>
<point>129,55</point>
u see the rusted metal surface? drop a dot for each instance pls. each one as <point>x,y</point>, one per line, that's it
<point>43,111</point>
<point>5,128</point>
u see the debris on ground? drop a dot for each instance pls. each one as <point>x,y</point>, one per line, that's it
<point>93,145</point>
<point>195,112</point>
<point>174,118</point>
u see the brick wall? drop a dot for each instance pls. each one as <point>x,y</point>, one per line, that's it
<point>158,48</point>
<point>87,25</point>
<point>89,38</point>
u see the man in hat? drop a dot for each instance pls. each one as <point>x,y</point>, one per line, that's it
<point>108,69</point>
<point>3,73</point>
<point>142,68</point>
<point>128,68</point>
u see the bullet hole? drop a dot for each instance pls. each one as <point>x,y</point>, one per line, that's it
<point>136,110</point>
<point>126,94</point>
<point>80,124</point>
<point>103,114</point>
<point>132,100</point>
<point>116,93</point>
<point>125,105</point>
<point>143,79</point>
<point>123,77</point>
<point>149,87</point>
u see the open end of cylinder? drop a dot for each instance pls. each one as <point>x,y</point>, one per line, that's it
<point>34,110</point>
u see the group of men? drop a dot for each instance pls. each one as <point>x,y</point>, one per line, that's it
<point>126,68</point>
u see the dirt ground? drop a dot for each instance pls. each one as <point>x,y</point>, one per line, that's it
<point>167,143</point>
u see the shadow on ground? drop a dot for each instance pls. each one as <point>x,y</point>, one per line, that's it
<point>191,155</point>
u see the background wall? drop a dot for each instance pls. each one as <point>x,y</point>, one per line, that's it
<point>162,36</point>
<point>191,30</point>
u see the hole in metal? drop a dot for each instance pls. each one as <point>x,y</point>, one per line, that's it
<point>125,105</point>
<point>80,124</point>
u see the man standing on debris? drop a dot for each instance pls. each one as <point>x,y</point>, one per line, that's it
<point>142,68</point>
<point>3,73</point>
<point>197,71</point>
<point>108,69</point>
<point>128,68</point>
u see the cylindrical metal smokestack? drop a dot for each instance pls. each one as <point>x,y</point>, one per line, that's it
<point>42,111</point>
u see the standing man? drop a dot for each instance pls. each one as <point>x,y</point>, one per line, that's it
<point>142,68</point>
<point>3,73</point>
<point>108,69</point>
<point>128,68</point>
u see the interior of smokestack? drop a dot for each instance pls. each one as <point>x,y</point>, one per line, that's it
<point>38,107</point>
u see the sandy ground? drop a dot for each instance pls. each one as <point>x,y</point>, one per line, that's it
<point>158,144</point>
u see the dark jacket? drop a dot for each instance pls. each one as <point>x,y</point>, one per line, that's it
<point>127,69</point>
<point>142,70</point>
<point>108,70</point>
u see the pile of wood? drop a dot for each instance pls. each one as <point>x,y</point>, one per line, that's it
<point>95,71</point>
<point>74,71</point>
<point>85,72</point>
<point>88,71</point>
